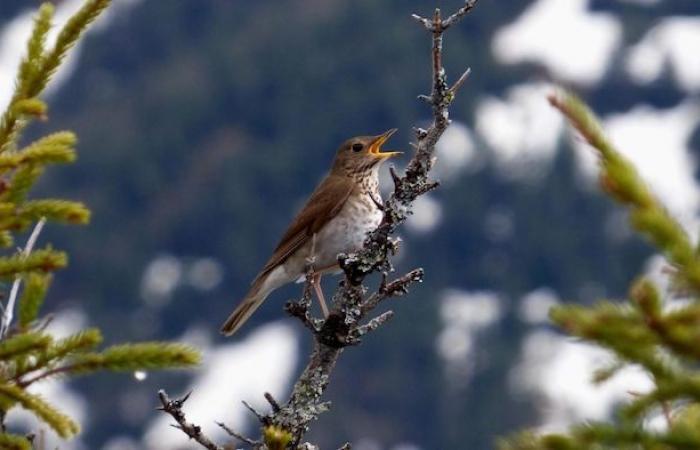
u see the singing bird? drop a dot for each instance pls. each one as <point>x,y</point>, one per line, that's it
<point>345,206</point>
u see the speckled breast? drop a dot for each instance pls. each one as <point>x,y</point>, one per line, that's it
<point>347,231</point>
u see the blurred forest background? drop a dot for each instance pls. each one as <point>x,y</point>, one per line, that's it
<point>205,123</point>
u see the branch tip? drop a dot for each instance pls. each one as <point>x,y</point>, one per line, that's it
<point>237,435</point>
<point>458,84</point>
<point>273,402</point>
<point>261,417</point>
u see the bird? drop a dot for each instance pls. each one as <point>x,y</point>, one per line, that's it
<point>345,206</point>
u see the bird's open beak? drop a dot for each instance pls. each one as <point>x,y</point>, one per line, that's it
<point>375,147</point>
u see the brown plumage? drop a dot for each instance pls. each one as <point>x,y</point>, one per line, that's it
<point>336,219</point>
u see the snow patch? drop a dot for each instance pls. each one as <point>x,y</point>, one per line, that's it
<point>427,214</point>
<point>674,42</point>
<point>464,314</point>
<point>564,36</point>
<point>535,306</point>
<point>522,129</point>
<point>560,370</point>
<point>456,153</point>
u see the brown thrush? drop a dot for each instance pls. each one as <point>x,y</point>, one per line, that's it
<point>345,206</point>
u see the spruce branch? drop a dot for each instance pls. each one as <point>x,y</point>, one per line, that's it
<point>43,260</point>
<point>28,353</point>
<point>22,181</point>
<point>22,344</point>
<point>643,331</point>
<point>52,149</point>
<point>350,317</point>
<point>124,358</point>
<point>67,37</point>
<point>14,442</point>
<point>63,425</point>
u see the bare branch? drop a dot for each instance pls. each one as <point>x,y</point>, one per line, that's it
<point>372,325</point>
<point>273,402</point>
<point>459,15</point>
<point>458,84</point>
<point>261,417</point>
<point>395,288</point>
<point>8,311</point>
<point>351,304</point>
<point>174,408</point>
<point>238,436</point>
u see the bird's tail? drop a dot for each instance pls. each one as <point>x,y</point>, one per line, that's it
<point>260,289</point>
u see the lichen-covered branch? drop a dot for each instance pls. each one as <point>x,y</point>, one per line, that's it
<point>351,318</point>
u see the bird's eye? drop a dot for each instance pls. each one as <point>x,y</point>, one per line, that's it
<point>357,147</point>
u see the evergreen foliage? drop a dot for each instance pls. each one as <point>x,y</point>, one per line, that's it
<point>28,353</point>
<point>645,331</point>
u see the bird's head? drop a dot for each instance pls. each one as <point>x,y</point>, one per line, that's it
<point>361,154</point>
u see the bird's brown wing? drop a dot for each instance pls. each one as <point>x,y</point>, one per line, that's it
<point>324,204</point>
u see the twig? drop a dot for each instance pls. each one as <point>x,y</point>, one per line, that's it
<point>273,402</point>
<point>174,408</point>
<point>261,417</point>
<point>396,288</point>
<point>238,436</point>
<point>10,307</point>
<point>358,332</point>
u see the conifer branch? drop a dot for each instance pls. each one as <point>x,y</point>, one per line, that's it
<point>642,331</point>
<point>14,442</point>
<point>29,353</point>
<point>63,425</point>
<point>125,357</point>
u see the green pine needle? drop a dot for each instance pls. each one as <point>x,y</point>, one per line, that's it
<point>56,210</point>
<point>14,442</point>
<point>66,39</point>
<point>130,357</point>
<point>6,239</point>
<point>30,107</point>
<point>36,43</point>
<point>44,260</point>
<point>55,148</point>
<point>33,294</point>
<point>63,425</point>
<point>22,344</point>
<point>82,341</point>
<point>22,182</point>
